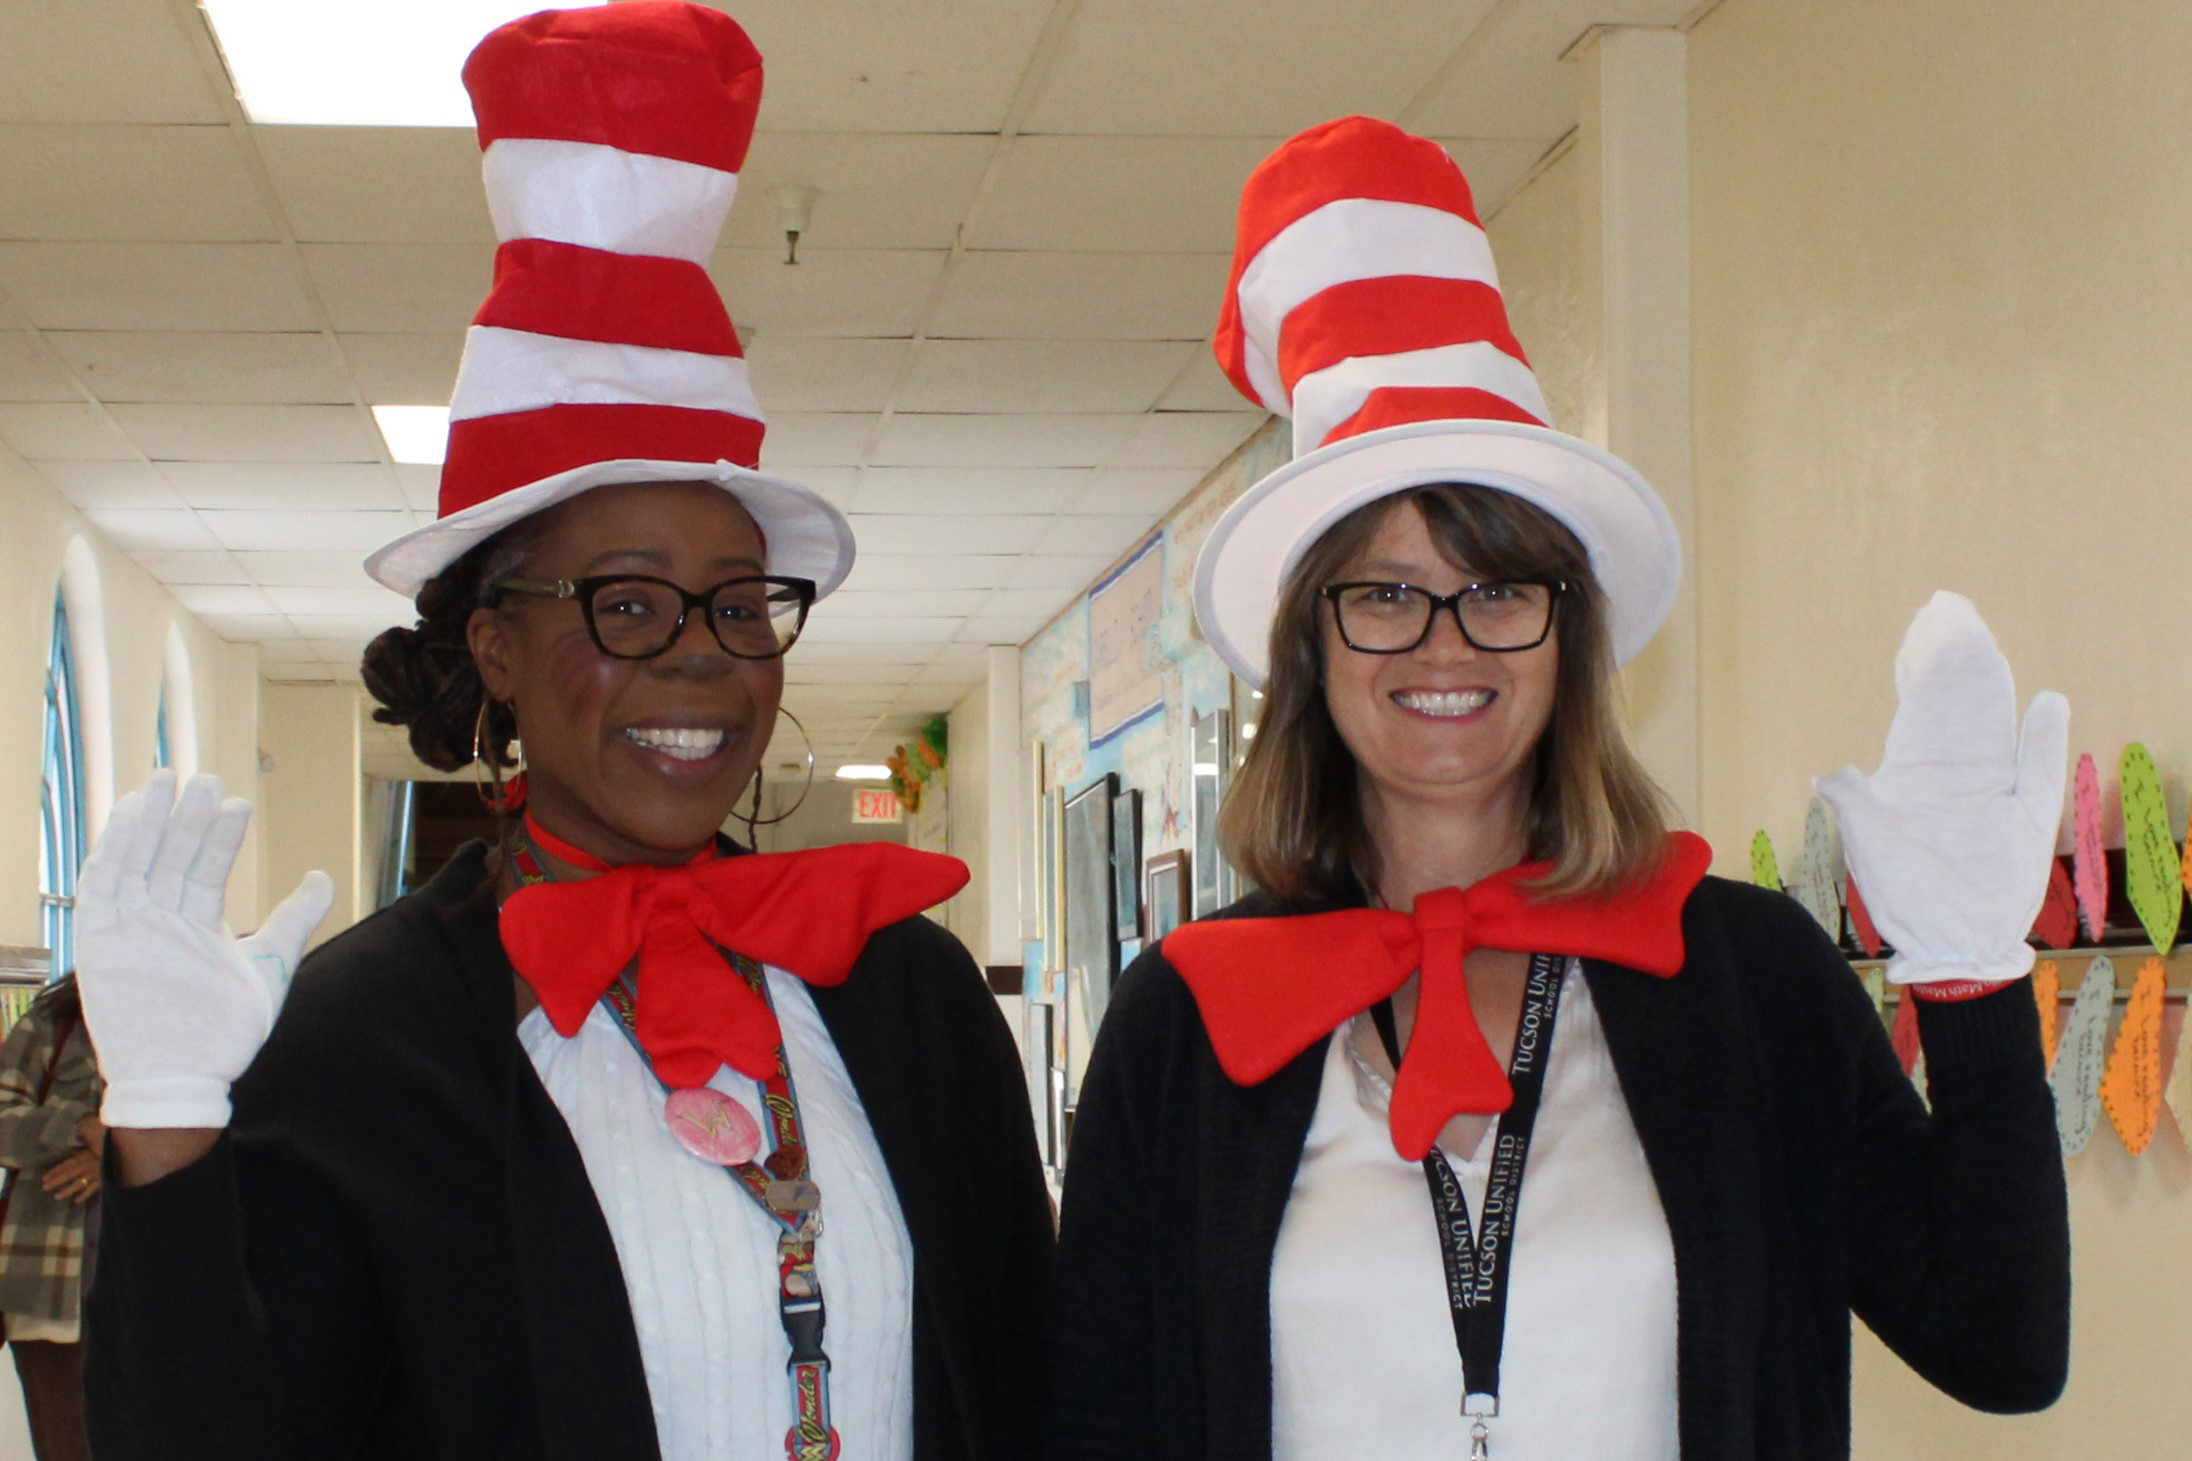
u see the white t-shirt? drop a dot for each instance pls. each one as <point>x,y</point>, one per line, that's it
<point>699,1256</point>
<point>1362,1341</point>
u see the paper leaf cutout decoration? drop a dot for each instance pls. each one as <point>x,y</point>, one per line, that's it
<point>2178,1097</point>
<point>1817,880</point>
<point>2047,993</point>
<point>1876,989</point>
<point>1868,937</point>
<point>2088,863</point>
<point>1903,1035</point>
<point>2057,925</point>
<point>2152,871</point>
<point>2131,1086</point>
<point>2081,1055</point>
<point>1764,870</point>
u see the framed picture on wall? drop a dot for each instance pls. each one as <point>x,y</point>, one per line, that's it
<point>1126,864</point>
<point>1091,925</point>
<point>1210,768</point>
<point>1165,893</point>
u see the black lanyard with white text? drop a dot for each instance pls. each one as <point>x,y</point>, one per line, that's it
<point>1477,1266</point>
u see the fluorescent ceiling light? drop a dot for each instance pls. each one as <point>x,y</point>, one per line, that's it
<point>393,63</point>
<point>416,435</point>
<point>863,773</point>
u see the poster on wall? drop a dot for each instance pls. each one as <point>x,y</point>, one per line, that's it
<point>1209,767</point>
<point>1126,865</point>
<point>1125,671</point>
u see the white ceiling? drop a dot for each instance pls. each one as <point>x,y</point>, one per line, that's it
<point>993,352</point>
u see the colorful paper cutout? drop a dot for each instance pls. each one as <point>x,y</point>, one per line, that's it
<point>1903,1035</point>
<point>2178,1097</point>
<point>1765,871</point>
<point>2047,993</point>
<point>2088,862</point>
<point>1868,937</point>
<point>2081,1055</point>
<point>2153,871</point>
<point>2057,925</point>
<point>1818,871</point>
<point>2131,1086</point>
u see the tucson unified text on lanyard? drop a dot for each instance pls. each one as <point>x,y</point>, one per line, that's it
<point>717,1129</point>
<point>1477,1265</point>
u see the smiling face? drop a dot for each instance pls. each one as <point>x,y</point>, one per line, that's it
<point>1446,723</point>
<point>632,760</point>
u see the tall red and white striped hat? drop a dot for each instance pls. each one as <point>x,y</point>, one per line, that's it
<point>612,140</point>
<point>1364,305</point>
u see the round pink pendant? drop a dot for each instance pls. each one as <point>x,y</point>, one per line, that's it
<point>712,1126</point>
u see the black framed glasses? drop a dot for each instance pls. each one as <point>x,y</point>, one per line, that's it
<point>1394,618</point>
<point>631,616</point>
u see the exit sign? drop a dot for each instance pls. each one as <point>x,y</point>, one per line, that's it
<point>876,806</point>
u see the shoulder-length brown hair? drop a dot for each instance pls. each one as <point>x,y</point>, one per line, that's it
<point>1292,821</point>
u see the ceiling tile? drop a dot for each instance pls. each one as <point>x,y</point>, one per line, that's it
<point>835,485</point>
<point>815,439</point>
<point>359,532</point>
<point>172,366</point>
<point>893,630</point>
<point>1092,533</point>
<point>400,288</point>
<point>963,654</point>
<point>893,68</point>
<point>1204,387</point>
<point>1162,68</point>
<point>252,433</point>
<point>118,485</point>
<point>1187,438</point>
<point>821,680</point>
<point>63,433</point>
<point>206,599</point>
<point>192,567</point>
<point>342,654</point>
<point>873,190</point>
<point>1137,489</point>
<point>876,652</point>
<point>107,286</point>
<point>1035,376</point>
<point>376,603</point>
<point>28,373</point>
<point>838,292</point>
<point>1512,83</point>
<point>116,61</point>
<point>887,534</point>
<point>378,184</point>
<point>421,486</point>
<point>284,486</point>
<point>956,490</point>
<point>338,568</point>
<point>1081,296</point>
<point>120,184</point>
<point>250,628</point>
<point>885,571</point>
<point>912,439</point>
<point>1073,572</point>
<point>992,629</point>
<point>949,676</point>
<point>1495,168</point>
<point>794,374</point>
<point>152,531</point>
<point>1119,194</point>
<point>404,370</point>
<point>1022,601</point>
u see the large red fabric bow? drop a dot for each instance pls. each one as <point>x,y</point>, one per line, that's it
<point>1269,988</point>
<point>807,912</point>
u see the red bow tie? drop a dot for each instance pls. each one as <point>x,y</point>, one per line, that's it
<point>1269,988</point>
<point>807,912</point>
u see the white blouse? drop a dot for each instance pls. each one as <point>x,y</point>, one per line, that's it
<point>1362,1342</point>
<point>699,1256</point>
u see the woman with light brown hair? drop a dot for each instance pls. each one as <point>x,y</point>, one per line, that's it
<point>1489,1124</point>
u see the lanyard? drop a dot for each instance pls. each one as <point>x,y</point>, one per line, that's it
<point>1477,1266</point>
<point>781,1186</point>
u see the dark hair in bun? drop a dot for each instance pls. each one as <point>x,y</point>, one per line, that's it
<point>424,676</point>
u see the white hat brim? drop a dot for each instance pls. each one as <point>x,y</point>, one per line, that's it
<point>1624,527</point>
<point>806,536</point>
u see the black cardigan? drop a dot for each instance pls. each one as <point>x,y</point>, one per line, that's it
<point>1801,1176</point>
<point>394,1251</point>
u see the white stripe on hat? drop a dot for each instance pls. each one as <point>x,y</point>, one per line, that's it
<point>516,370</point>
<point>1325,398</point>
<point>605,198</point>
<point>1346,240</point>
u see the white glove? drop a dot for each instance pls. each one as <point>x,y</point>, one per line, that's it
<point>1952,837</point>
<point>177,1005</point>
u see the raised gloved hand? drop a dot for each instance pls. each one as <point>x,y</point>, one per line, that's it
<point>1952,837</point>
<point>176,1004</point>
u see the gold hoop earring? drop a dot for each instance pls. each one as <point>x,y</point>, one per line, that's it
<point>501,798</point>
<point>753,817</point>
